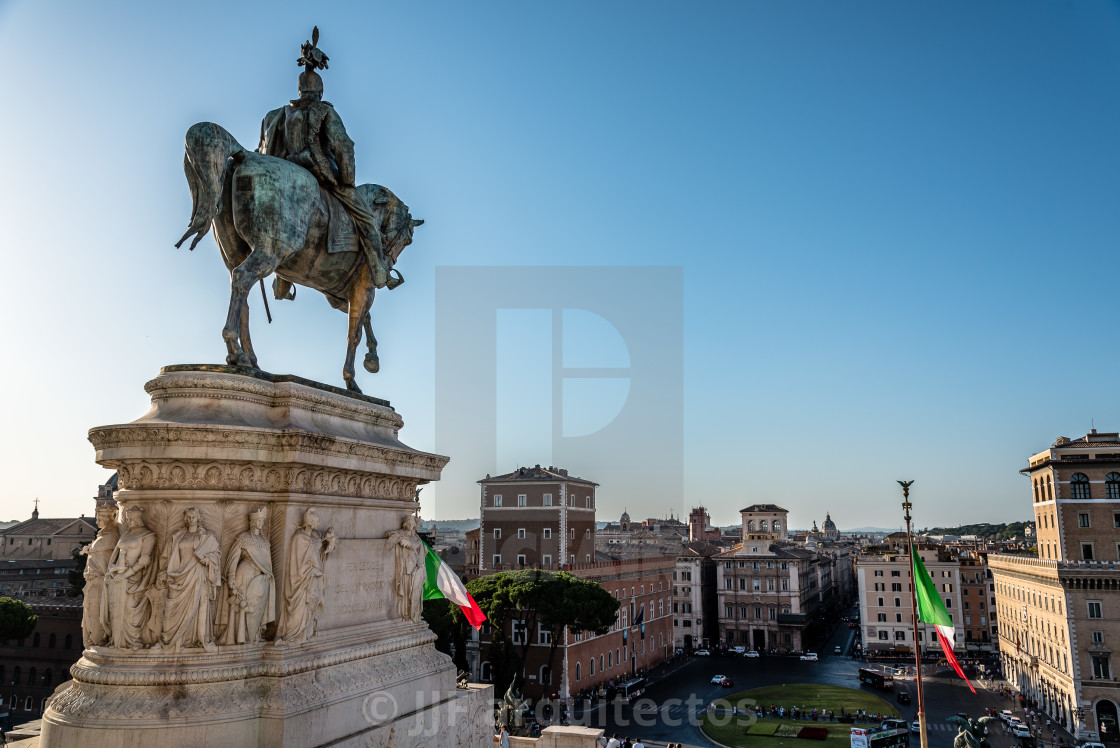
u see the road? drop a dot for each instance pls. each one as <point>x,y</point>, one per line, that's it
<point>670,707</point>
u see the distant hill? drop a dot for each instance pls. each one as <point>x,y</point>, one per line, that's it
<point>1003,531</point>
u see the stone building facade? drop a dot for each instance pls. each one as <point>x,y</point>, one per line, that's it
<point>31,669</point>
<point>883,581</point>
<point>770,593</point>
<point>695,623</point>
<point>536,517</point>
<point>1059,611</point>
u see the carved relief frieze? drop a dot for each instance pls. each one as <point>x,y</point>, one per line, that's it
<point>260,477</point>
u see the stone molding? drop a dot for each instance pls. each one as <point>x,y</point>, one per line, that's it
<point>261,695</point>
<point>104,666</point>
<point>261,477</point>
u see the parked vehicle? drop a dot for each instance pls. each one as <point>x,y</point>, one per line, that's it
<point>752,653</point>
<point>810,657</point>
<point>701,653</point>
<point>1021,731</point>
<point>903,697</point>
<point>915,727</point>
<point>737,650</point>
<point>717,679</point>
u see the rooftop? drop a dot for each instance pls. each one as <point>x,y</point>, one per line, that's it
<point>764,508</point>
<point>536,473</point>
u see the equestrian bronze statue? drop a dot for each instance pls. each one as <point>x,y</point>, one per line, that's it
<point>292,208</point>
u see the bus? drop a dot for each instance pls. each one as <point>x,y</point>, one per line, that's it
<point>878,738</point>
<point>630,690</point>
<point>876,677</point>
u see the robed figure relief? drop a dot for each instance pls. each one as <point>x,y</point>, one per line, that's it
<point>408,568</point>
<point>305,580</point>
<point>249,604</point>
<point>98,553</point>
<point>126,608</point>
<point>191,565</point>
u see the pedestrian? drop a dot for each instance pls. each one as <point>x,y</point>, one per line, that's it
<point>502,738</point>
<point>614,742</point>
<point>638,744</point>
<point>627,744</point>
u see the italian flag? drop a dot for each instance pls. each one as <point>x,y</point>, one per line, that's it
<point>441,583</point>
<point>932,611</point>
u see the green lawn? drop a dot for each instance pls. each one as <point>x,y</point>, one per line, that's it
<point>781,733</point>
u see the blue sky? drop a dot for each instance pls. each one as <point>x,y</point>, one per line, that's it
<point>896,224</point>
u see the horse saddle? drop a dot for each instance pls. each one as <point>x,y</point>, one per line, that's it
<point>341,234</point>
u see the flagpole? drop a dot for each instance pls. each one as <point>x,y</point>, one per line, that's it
<point>914,611</point>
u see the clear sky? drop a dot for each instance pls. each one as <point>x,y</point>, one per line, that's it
<point>896,224</point>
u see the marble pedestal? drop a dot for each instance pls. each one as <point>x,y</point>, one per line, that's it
<point>354,668</point>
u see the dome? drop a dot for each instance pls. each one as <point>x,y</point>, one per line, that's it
<point>625,517</point>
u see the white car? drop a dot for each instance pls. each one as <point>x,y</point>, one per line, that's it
<point>1091,745</point>
<point>809,657</point>
<point>701,653</point>
<point>916,727</point>
<point>737,650</point>
<point>1020,731</point>
<point>752,653</point>
<point>717,679</point>
<point>1006,715</point>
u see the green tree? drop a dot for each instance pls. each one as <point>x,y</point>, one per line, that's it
<point>16,619</point>
<point>546,600</point>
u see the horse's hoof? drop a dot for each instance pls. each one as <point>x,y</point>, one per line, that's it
<point>372,364</point>
<point>353,387</point>
<point>239,359</point>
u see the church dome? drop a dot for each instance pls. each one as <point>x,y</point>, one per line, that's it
<point>625,517</point>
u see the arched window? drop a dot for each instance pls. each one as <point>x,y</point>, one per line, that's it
<point>591,667</point>
<point>601,668</point>
<point>762,525</point>
<point>1049,489</point>
<point>610,663</point>
<point>53,641</point>
<point>750,525</point>
<point>1034,488</point>
<point>1079,486</point>
<point>1112,486</point>
<point>577,671</point>
<point>777,526</point>
<point>28,704</point>
<point>546,675</point>
<point>484,674</point>
<point>616,657</point>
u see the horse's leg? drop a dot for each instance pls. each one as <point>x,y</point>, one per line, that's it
<point>260,263</point>
<point>372,363</point>
<point>361,299</point>
<point>246,341</point>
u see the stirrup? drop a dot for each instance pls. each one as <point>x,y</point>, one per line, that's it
<point>393,282</point>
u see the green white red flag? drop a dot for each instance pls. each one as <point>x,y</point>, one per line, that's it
<point>442,583</point>
<point>932,611</point>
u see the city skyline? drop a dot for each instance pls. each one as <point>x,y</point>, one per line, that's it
<point>893,229</point>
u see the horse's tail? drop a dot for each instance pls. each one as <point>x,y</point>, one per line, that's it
<point>209,146</point>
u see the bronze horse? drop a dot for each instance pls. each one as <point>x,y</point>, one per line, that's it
<point>271,216</point>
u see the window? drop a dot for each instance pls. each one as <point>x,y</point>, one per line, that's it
<point>880,602</point>
<point>520,559</point>
<point>896,587</point>
<point>1087,551</point>
<point>497,499</point>
<point>577,671</point>
<point>883,635</point>
<point>1101,667</point>
<point>588,558</point>
<point>548,499</point>
<point>1095,609</point>
<point>546,559</point>
<point>757,612</point>
<point>727,584</point>
<point>898,618</point>
<point>878,572</point>
<point>898,602</point>
<point>900,636</point>
<point>882,617</point>
<point>1079,486</point>
<point>773,614</point>
<point>1098,637</point>
<point>1112,486</point>
<point>521,533</point>
<point>588,534</point>
<point>497,533</point>
<point>762,525</point>
<point>573,533</point>
<point>1083,519</point>
<point>742,583</point>
<point>777,526</point>
<point>896,573</point>
<point>591,667</point>
<point>548,533</point>
<point>588,502</point>
<point>497,560</point>
<point>521,499</point>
